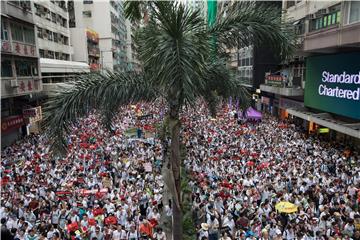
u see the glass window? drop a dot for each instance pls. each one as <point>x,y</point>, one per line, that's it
<point>247,61</point>
<point>23,68</point>
<point>49,35</point>
<point>6,68</point>
<point>354,11</point>
<point>320,23</point>
<point>86,14</point>
<point>88,1</point>
<point>50,54</point>
<point>29,35</point>
<point>57,55</point>
<point>329,20</point>
<point>325,21</point>
<point>40,32</point>
<point>42,53</point>
<point>53,17</point>
<point>17,33</point>
<point>66,40</point>
<point>333,18</point>
<point>4,31</point>
<point>338,17</point>
<point>243,62</point>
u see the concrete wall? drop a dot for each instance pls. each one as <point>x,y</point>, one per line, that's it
<point>79,41</point>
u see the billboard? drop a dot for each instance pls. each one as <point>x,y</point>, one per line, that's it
<point>333,83</point>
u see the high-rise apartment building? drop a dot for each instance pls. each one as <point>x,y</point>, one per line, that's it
<point>106,18</point>
<point>53,36</point>
<point>20,75</point>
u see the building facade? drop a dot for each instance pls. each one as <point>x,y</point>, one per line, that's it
<point>20,75</point>
<point>106,18</point>
<point>328,36</point>
<point>53,36</point>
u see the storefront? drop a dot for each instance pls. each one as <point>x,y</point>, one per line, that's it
<point>332,97</point>
<point>34,117</point>
<point>12,128</point>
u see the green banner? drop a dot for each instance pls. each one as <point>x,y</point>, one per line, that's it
<point>333,83</point>
<point>211,12</point>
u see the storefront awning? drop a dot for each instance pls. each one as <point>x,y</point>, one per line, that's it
<point>61,66</point>
<point>325,119</point>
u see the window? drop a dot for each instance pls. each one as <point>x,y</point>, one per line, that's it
<point>66,40</point>
<point>86,14</point>
<point>328,20</point>
<point>37,9</point>
<point>23,68</point>
<point>40,32</point>
<point>6,68</point>
<point>247,61</point>
<point>55,35</point>
<point>17,32</point>
<point>354,11</point>
<point>50,54</point>
<point>49,35</point>
<point>29,35</point>
<point>88,2</point>
<point>4,31</point>
<point>57,55</point>
<point>42,53</point>
<point>53,17</point>
<point>63,22</point>
<point>290,4</point>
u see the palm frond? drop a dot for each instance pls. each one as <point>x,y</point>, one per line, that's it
<point>174,46</point>
<point>249,22</point>
<point>102,91</point>
<point>220,81</point>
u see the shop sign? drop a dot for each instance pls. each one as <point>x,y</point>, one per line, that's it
<point>24,49</point>
<point>5,46</point>
<point>37,117</point>
<point>30,112</point>
<point>11,123</point>
<point>333,84</point>
<point>323,130</point>
<point>275,80</point>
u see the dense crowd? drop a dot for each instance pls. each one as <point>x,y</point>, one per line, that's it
<point>240,171</point>
<point>109,185</point>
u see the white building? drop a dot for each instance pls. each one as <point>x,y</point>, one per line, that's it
<point>53,37</point>
<point>107,19</point>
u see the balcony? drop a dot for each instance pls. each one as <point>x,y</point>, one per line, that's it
<point>94,51</point>
<point>20,10</point>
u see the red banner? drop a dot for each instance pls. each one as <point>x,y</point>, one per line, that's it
<point>12,122</point>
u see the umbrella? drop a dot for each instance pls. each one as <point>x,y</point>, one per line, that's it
<point>286,207</point>
<point>250,164</point>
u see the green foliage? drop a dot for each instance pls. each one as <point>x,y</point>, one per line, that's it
<point>178,60</point>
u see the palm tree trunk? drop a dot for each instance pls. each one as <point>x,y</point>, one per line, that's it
<point>175,160</point>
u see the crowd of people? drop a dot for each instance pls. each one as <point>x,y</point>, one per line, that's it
<point>241,171</point>
<point>109,185</point>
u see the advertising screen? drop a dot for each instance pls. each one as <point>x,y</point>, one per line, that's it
<point>333,84</point>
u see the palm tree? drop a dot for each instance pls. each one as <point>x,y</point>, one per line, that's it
<point>181,63</point>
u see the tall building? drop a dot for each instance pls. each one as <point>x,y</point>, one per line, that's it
<point>250,63</point>
<point>106,18</point>
<point>319,85</point>
<point>132,57</point>
<point>20,75</point>
<point>53,36</point>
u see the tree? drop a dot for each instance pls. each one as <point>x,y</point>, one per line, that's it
<point>181,63</point>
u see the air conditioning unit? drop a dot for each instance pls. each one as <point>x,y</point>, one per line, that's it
<point>14,83</point>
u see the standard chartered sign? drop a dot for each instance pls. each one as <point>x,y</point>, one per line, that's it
<point>338,92</point>
<point>333,84</point>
